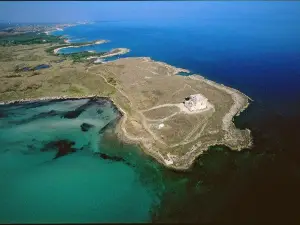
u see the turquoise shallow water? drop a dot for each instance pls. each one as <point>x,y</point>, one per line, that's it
<point>78,187</point>
<point>253,47</point>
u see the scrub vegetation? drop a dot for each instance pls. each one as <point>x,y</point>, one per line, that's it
<point>149,94</point>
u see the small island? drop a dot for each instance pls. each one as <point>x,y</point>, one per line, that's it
<point>173,118</point>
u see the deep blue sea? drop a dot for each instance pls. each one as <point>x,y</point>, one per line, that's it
<point>256,51</point>
<point>259,56</point>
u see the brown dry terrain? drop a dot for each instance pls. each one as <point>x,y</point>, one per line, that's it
<point>148,93</point>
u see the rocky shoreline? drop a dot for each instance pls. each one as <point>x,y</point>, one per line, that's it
<point>185,162</point>
<point>240,104</point>
<point>176,69</point>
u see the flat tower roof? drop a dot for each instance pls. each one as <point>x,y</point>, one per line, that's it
<point>199,97</point>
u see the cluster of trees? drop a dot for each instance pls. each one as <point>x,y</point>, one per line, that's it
<point>42,38</point>
<point>29,38</point>
<point>81,56</point>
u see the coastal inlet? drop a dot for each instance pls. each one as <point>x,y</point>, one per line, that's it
<point>54,156</point>
<point>81,54</point>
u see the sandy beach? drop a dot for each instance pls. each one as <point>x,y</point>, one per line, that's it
<point>56,51</point>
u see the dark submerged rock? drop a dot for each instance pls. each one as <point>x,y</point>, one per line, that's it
<point>42,115</point>
<point>85,127</point>
<point>2,115</point>
<point>106,126</point>
<point>46,114</point>
<point>72,114</point>
<point>113,158</point>
<point>63,147</point>
<point>99,111</point>
<point>75,113</point>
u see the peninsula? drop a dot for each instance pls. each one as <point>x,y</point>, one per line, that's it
<point>173,118</point>
<point>78,45</point>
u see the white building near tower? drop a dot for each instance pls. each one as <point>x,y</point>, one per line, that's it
<point>196,102</point>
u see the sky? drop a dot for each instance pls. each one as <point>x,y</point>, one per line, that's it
<point>72,11</point>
